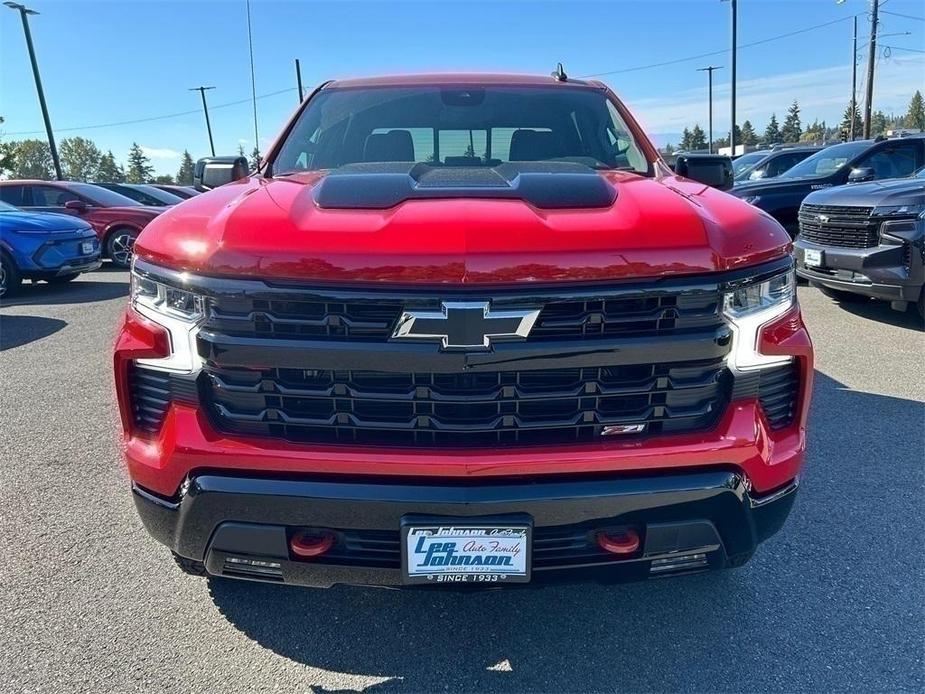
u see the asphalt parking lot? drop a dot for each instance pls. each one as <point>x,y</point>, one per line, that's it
<point>90,603</point>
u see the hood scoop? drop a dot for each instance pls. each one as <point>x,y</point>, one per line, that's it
<point>546,185</point>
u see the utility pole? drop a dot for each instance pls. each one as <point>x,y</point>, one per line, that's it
<point>205,109</point>
<point>24,13</point>
<point>732,90</point>
<point>250,47</point>
<point>871,59</point>
<point>854,77</point>
<point>709,70</point>
<point>298,79</point>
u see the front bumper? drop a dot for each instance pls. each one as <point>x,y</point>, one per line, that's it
<point>688,522</point>
<point>887,272</point>
<point>59,256</point>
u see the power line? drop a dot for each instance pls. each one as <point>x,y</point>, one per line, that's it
<point>720,52</point>
<point>902,48</point>
<point>156,118</point>
<point>904,16</point>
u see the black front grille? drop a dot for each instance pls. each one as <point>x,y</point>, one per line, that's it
<point>553,547</point>
<point>482,408</point>
<point>374,319</point>
<point>846,227</point>
<point>777,392</point>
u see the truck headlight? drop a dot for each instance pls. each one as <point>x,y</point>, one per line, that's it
<point>177,309</point>
<point>751,306</point>
<point>898,210</point>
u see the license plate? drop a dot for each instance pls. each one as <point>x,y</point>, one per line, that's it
<point>86,247</point>
<point>812,258</point>
<point>466,552</point>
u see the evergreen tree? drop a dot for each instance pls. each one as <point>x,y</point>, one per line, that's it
<point>685,143</point>
<point>241,150</point>
<point>139,166</point>
<point>749,136</point>
<point>80,159</point>
<point>698,139</point>
<point>108,171</point>
<point>846,120</point>
<point>792,129</point>
<point>185,174</point>
<point>879,124</point>
<point>915,116</point>
<point>165,179</point>
<point>256,159</point>
<point>772,134</point>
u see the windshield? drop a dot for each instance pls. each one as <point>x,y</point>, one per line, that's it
<point>459,126</point>
<point>747,161</point>
<point>6,207</point>
<point>826,161</point>
<point>102,196</point>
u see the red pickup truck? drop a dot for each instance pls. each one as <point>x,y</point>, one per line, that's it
<point>462,329</point>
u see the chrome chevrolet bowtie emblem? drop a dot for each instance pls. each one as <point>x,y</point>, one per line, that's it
<point>822,218</point>
<point>465,325</point>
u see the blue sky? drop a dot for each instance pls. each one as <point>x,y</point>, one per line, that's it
<point>107,62</point>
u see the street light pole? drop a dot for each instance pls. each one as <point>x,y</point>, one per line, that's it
<point>205,109</point>
<point>24,13</point>
<point>298,79</point>
<point>871,58</point>
<point>854,76</point>
<point>732,91</point>
<point>709,70</point>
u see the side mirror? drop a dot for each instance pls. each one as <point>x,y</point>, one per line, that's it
<point>861,174</point>
<point>212,172</point>
<point>76,205</point>
<point>712,170</point>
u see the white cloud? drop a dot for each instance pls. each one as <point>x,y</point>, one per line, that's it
<point>823,93</point>
<point>160,152</point>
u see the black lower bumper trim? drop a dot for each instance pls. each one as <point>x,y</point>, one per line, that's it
<point>688,521</point>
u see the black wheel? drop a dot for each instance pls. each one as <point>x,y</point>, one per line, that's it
<point>9,277</point>
<point>844,297</point>
<point>63,279</point>
<point>119,246</point>
<point>190,566</point>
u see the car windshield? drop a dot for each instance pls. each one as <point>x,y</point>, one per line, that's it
<point>826,161</point>
<point>459,126</point>
<point>747,161</point>
<point>920,173</point>
<point>102,196</point>
<point>7,207</point>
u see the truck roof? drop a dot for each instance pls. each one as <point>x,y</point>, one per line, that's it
<point>468,78</point>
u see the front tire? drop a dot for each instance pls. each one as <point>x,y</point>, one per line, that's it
<point>119,246</point>
<point>10,279</point>
<point>843,297</point>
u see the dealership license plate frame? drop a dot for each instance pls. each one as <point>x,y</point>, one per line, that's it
<point>412,525</point>
<point>813,257</point>
<point>86,247</point>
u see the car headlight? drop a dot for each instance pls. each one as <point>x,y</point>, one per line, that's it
<point>752,199</point>
<point>751,306</point>
<point>899,210</point>
<point>177,309</point>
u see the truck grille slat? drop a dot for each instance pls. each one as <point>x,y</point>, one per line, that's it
<point>777,392</point>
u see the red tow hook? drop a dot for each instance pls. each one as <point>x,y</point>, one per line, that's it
<point>308,544</point>
<point>618,541</point>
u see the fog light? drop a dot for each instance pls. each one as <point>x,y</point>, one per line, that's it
<point>681,562</point>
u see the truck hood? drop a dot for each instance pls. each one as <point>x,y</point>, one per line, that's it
<point>889,192</point>
<point>37,222</point>
<point>275,229</point>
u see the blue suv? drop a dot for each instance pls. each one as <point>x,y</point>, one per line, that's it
<point>43,246</point>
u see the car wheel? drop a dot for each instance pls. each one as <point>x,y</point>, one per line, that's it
<point>190,566</point>
<point>119,246</point>
<point>9,277</point>
<point>844,297</point>
<point>63,279</point>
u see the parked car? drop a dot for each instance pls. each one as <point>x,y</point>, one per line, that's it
<point>54,248</point>
<point>435,340</point>
<point>848,162</point>
<point>185,192</point>
<point>116,219</point>
<point>145,194</point>
<point>866,240</point>
<point>769,163</point>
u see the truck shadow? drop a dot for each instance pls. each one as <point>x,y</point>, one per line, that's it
<point>76,292</point>
<point>16,331</point>
<point>881,312</point>
<point>804,614</point>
